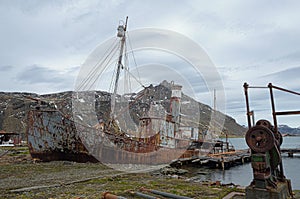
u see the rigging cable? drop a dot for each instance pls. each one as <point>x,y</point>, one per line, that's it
<point>135,78</point>
<point>110,89</point>
<point>95,68</point>
<point>95,79</point>
<point>135,63</point>
<point>93,73</point>
<point>127,82</point>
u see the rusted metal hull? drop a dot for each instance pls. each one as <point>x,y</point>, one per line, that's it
<point>53,136</point>
<point>58,156</point>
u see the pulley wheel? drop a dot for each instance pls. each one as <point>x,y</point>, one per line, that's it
<point>260,139</point>
<point>268,124</point>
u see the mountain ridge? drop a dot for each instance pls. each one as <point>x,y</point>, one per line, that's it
<point>15,105</point>
<point>285,129</point>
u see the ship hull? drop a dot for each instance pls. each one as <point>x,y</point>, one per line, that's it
<point>54,136</point>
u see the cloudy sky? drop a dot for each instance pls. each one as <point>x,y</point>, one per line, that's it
<point>43,44</point>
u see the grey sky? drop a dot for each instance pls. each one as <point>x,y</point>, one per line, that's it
<point>44,43</point>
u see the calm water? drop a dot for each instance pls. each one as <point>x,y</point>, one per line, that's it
<point>242,174</point>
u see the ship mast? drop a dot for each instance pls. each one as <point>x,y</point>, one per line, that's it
<point>121,34</point>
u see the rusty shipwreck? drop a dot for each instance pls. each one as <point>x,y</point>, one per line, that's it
<point>149,131</point>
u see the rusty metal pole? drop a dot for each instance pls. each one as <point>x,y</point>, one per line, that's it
<point>247,104</point>
<point>273,107</point>
<point>275,125</point>
<point>142,195</point>
<point>169,195</point>
<point>107,195</point>
<point>253,118</point>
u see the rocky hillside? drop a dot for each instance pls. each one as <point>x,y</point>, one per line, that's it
<point>14,107</point>
<point>284,129</point>
<point>193,113</point>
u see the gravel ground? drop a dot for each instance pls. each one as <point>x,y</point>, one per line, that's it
<point>21,177</point>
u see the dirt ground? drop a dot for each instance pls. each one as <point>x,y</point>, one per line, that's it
<point>21,177</point>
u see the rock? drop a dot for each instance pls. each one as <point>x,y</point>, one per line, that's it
<point>182,171</point>
<point>174,176</point>
<point>172,171</point>
<point>202,173</point>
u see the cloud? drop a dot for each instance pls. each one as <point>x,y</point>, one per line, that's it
<point>37,74</point>
<point>252,41</point>
<point>6,68</point>
<point>286,78</point>
<point>290,74</point>
<point>42,79</point>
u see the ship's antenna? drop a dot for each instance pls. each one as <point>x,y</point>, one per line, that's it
<point>215,100</point>
<point>125,27</point>
<point>214,114</point>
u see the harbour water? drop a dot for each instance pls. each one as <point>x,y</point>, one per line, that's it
<point>242,174</point>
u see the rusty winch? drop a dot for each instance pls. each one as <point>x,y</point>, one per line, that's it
<point>265,143</point>
<point>265,140</point>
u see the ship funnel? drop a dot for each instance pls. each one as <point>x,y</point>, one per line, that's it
<point>175,102</point>
<point>176,90</point>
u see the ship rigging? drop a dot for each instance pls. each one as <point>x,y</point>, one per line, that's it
<point>155,137</point>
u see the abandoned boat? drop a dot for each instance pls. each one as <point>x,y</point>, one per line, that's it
<point>159,138</point>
